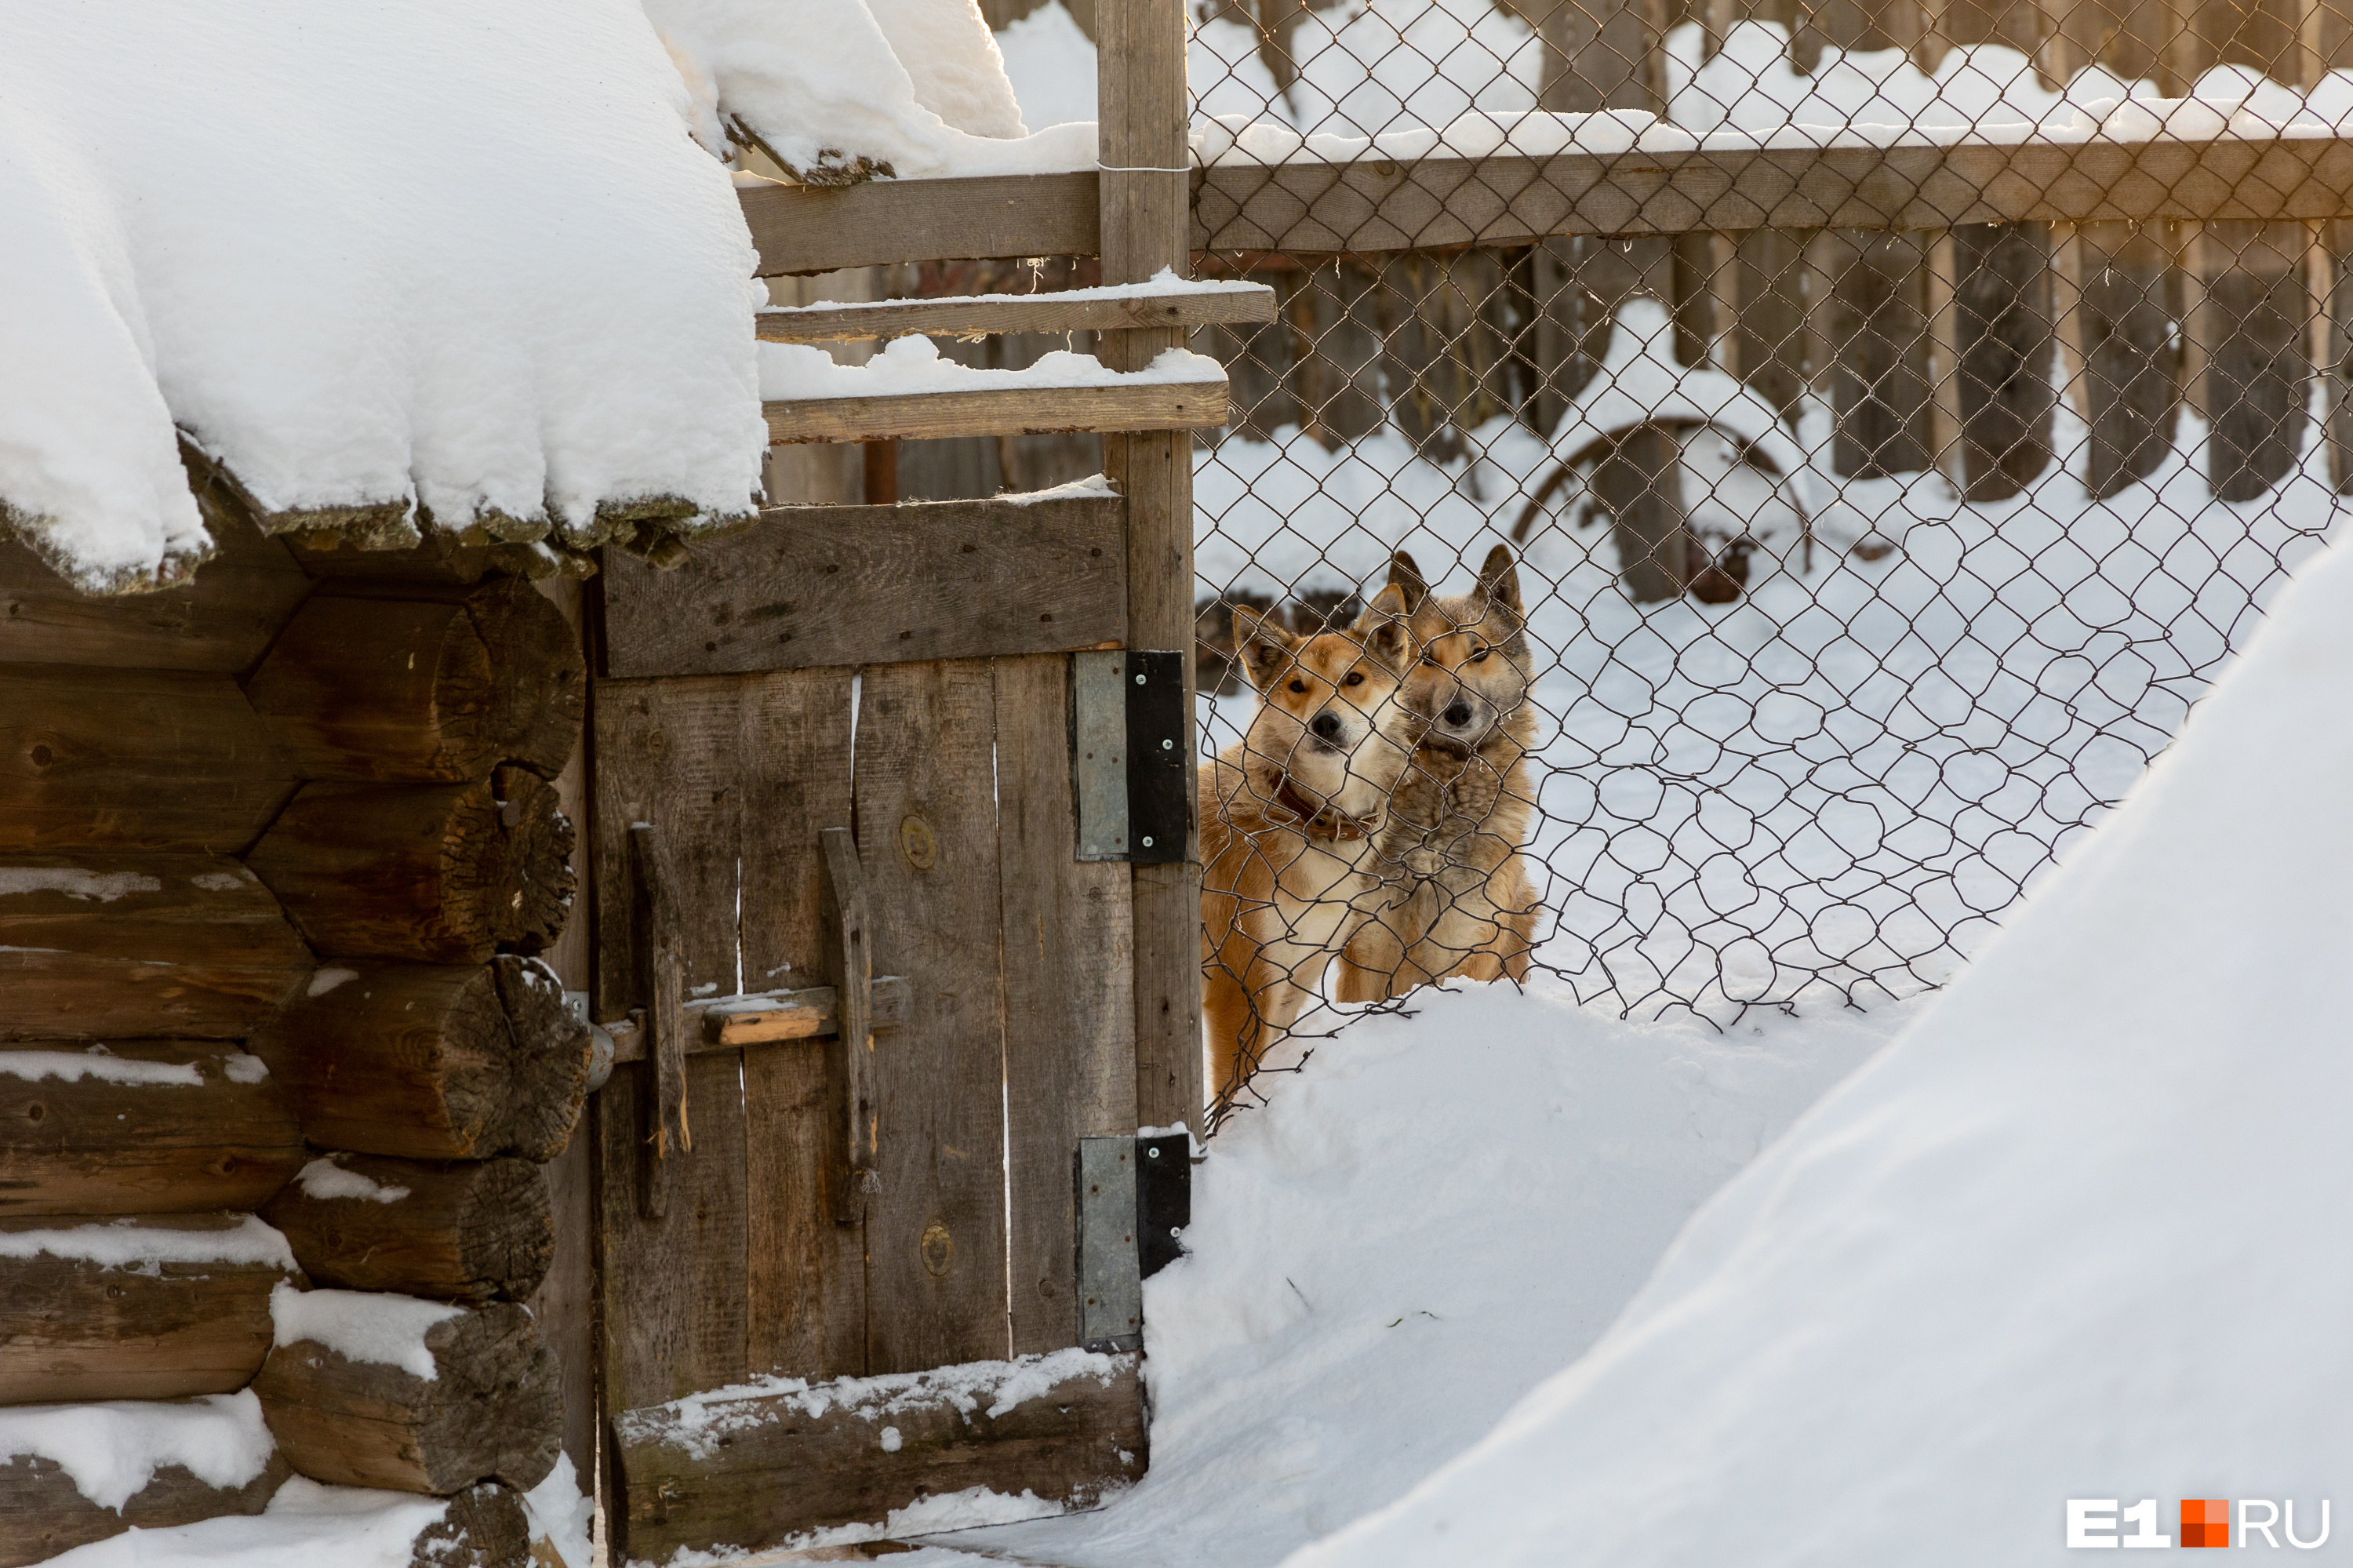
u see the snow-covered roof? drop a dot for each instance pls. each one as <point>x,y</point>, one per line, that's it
<point>440,262</point>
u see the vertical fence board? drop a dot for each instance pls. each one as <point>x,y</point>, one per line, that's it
<point>926,793</point>
<point>1069,1021</point>
<point>2257,365</point>
<point>805,1280</point>
<point>1879,378</point>
<point>1769,337</point>
<point>2339,261</point>
<point>2129,312</point>
<point>2004,342</point>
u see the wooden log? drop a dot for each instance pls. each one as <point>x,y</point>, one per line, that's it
<point>485,1527</point>
<point>156,759</point>
<point>111,947</point>
<point>1768,334</point>
<point>220,622</point>
<point>2259,359</point>
<point>813,585</point>
<point>45,1513</point>
<point>408,691</point>
<point>146,1127</point>
<point>437,874</point>
<point>1639,483</point>
<point>999,411</point>
<point>165,1306</point>
<point>2006,340</point>
<point>752,1472</point>
<point>469,1231</point>
<point>2130,309</point>
<point>424,1062</point>
<point>1879,376</point>
<point>494,1407</point>
<point>1334,319</point>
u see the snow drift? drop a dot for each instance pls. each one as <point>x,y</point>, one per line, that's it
<point>2071,1236</point>
<point>439,256</point>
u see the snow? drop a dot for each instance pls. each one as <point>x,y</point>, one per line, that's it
<point>820,84</point>
<point>490,276</point>
<point>362,1326</point>
<point>306,1525</point>
<point>97,1062</point>
<point>129,1244</point>
<point>1431,1215</point>
<point>2066,1238</point>
<point>326,1180</point>
<point>1052,66</point>
<point>328,980</point>
<point>105,886</point>
<point>561,1514</point>
<point>791,372</point>
<point>111,1451</point>
<point>1094,486</point>
<point>1160,285</point>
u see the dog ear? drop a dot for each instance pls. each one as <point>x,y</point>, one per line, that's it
<point>1499,584</point>
<point>1261,644</point>
<point>1386,629</point>
<point>1407,579</point>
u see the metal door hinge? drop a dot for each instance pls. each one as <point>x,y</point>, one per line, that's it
<point>1130,756</point>
<point>1136,1197</point>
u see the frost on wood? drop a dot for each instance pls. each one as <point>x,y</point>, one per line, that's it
<point>842,91</point>
<point>380,267</point>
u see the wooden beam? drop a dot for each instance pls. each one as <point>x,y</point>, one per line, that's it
<point>1081,310</point>
<point>820,228</point>
<point>751,1469</point>
<point>47,1515</point>
<point>1014,410</point>
<point>810,586</point>
<point>731,1022</point>
<point>1373,204</point>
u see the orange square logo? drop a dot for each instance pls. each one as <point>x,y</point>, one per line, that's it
<point>2205,1521</point>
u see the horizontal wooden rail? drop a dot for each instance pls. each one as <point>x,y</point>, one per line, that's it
<point>1437,202</point>
<point>728,1025</point>
<point>1078,310</point>
<point>1000,412</point>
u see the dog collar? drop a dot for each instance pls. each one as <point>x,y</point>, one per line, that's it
<point>1329,822</point>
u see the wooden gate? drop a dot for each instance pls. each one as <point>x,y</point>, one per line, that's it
<point>747,1237</point>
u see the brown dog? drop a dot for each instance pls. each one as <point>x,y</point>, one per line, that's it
<point>1459,901</point>
<point>1289,820</point>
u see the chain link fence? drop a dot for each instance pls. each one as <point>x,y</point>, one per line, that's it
<point>1860,569</point>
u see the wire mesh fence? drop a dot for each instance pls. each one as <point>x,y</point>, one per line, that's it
<point>1775,602</point>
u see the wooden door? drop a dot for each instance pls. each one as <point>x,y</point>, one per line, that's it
<point>936,724</point>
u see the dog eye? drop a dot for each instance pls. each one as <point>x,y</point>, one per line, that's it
<point>1483,652</point>
<point>1356,678</point>
<point>1298,685</point>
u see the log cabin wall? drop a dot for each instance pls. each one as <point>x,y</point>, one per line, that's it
<point>286,1070</point>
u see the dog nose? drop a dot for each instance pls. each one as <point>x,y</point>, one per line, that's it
<point>1459,715</point>
<point>1326,727</point>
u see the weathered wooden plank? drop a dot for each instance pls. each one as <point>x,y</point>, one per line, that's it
<point>1879,375</point>
<point>1768,334</point>
<point>2258,354</point>
<point>926,794</point>
<point>820,228</point>
<point>1434,203</point>
<point>149,1127</point>
<point>2007,337</point>
<point>469,1231</point>
<point>172,1305</point>
<point>1070,1007</point>
<point>1001,411</point>
<point>805,1282</point>
<point>109,946</point>
<point>47,1515</point>
<point>1639,481</point>
<point>2130,312</point>
<point>753,1470</point>
<point>1077,309</point>
<point>670,753</point>
<point>490,1406</point>
<point>156,759</point>
<point>2337,255</point>
<point>220,622</point>
<point>814,586</point>
<point>729,1024</point>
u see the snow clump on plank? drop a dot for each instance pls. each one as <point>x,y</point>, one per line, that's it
<point>110,1451</point>
<point>2068,1233</point>
<point>375,262</point>
<point>362,1325</point>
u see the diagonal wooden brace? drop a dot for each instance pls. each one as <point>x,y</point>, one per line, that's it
<point>669,1136</point>
<point>857,1003</point>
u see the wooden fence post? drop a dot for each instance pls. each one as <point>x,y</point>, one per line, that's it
<point>1146,216</point>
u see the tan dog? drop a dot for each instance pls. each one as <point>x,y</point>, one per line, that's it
<point>1460,900</point>
<point>1289,819</point>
